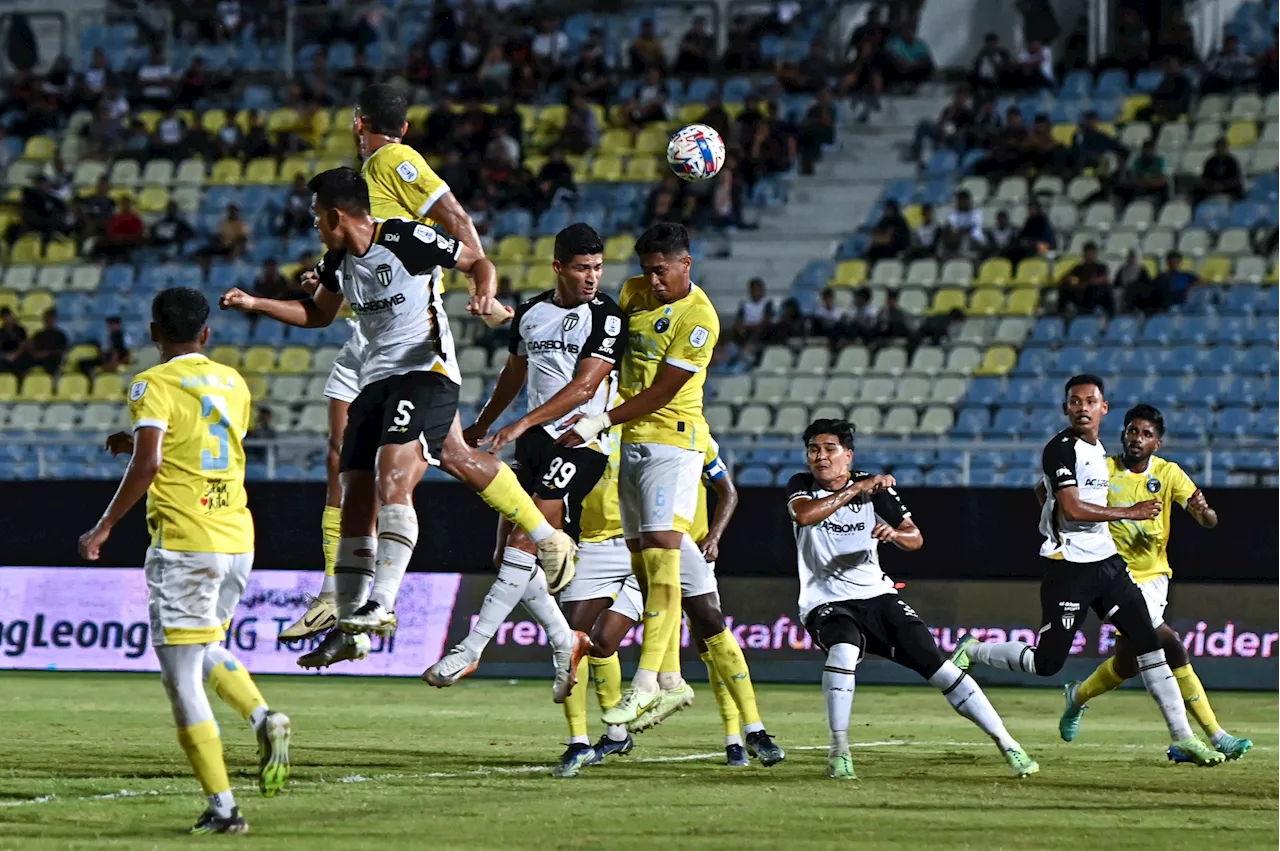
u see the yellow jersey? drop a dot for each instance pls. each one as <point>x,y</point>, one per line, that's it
<point>197,502</point>
<point>712,469</point>
<point>1144,544</point>
<point>682,334</point>
<point>401,184</point>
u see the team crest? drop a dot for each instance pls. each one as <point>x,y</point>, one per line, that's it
<point>384,274</point>
<point>662,325</point>
<point>1069,614</point>
<point>570,322</point>
<point>1153,485</point>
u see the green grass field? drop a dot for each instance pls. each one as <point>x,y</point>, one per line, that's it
<point>90,761</point>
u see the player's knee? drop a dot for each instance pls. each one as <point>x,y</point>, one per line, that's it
<point>602,645</point>
<point>1175,653</point>
<point>705,619</point>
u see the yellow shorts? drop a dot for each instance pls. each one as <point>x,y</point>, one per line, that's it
<point>192,596</point>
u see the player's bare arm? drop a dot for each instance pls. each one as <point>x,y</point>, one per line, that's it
<point>453,217</point>
<point>905,536</point>
<point>806,511</point>
<point>510,380</point>
<point>1072,507</point>
<point>726,505</point>
<point>143,466</point>
<point>483,277</point>
<point>586,381</point>
<point>1198,507</point>
<point>318,311</point>
<point>666,384</point>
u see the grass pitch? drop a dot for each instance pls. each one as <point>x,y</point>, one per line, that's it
<point>90,761</point>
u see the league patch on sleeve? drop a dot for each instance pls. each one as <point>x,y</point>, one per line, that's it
<point>698,338</point>
<point>137,390</point>
<point>612,326</point>
<point>424,233</point>
<point>408,173</point>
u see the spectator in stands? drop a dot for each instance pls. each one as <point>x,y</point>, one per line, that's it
<point>992,67</point>
<point>727,197</point>
<point>770,149</point>
<point>194,85</point>
<point>1173,285</point>
<point>1221,174</point>
<point>95,209</point>
<point>964,235</point>
<point>891,236</point>
<point>755,315</point>
<point>1172,97</point>
<point>465,56</point>
<point>809,74</point>
<point>550,50</point>
<point>95,79</point>
<point>1091,144</point>
<point>696,55</point>
<point>1003,238</point>
<point>790,324</point>
<point>1228,70</point>
<point>171,231</point>
<point>817,130</point>
<point>742,51</point>
<point>1132,279</point>
<point>665,202</point>
<point>1176,39</point>
<point>1087,287</point>
<point>124,232</point>
<point>1147,176</point>
<point>645,53</point>
<point>297,216</point>
<point>909,62</point>
<point>231,238</point>
<point>948,131</point>
<point>418,74</point>
<point>156,81</point>
<point>892,322</point>
<point>718,118</point>
<point>271,284</point>
<point>651,102</point>
<point>829,320</point>
<point>1008,148</point>
<point>503,148</point>
<point>925,238</point>
<point>102,135</point>
<point>555,180</point>
<point>590,76</point>
<point>865,318</point>
<point>1269,65</point>
<point>169,140</point>
<point>1036,236</point>
<point>581,127</point>
<point>1043,153</point>
<point>60,84</point>
<point>41,211</point>
<point>60,178</point>
<point>264,429</point>
<point>1034,69</point>
<point>1132,46</point>
<point>13,342</point>
<point>494,73</point>
<point>986,126</point>
<point>864,77</point>
<point>229,17</point>
<point>937,329</point>
<point>48,345</point>
<point>113,349</point>
<point>257,142</point>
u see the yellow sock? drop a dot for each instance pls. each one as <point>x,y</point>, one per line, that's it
<point>575,705</point>
<point>203,748</point>
<point>606,674</point>
<point>505,496</point>
<point>732,667</point>
<point>236,688</point>
<point>671,659</point>
<point>1196,700</point>
<point>330,532</point>
<point>724,700</point>
<point>1102,680</point>
<point>662,612</point>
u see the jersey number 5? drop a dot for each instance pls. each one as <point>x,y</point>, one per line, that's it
<point>218,430</point>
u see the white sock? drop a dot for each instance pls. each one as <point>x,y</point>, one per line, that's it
<point>504,595</point>
<point>1160,682</point>
<point>668,680</point>
<point>1218,737</point>
<point>353,574</point>
<point>538,600</point>
<point>258,716</point>
<point>1006,655</point>
<point>754,727</point>
<point>616,732</point>
<point>222,804</point>
<point>646,681</point>
<point>578,740</point>
<point>542,532</point>
<point>967,698</point>
<point>837,688</point>
<point>397,536</point>
<point>329,585</point>
<point>735,739</point>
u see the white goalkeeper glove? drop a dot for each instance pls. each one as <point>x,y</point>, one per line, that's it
<point>588,427</point>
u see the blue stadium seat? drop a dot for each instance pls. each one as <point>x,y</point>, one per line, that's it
<point>1268,424</point>
<point>1211,214</point>
<point>944,162</point>
<point>971,423</point>
<point>1084,329</point>
<point>985,391</point>
<point>1234,422</point>
<point>1158,330</point>
<point>754,476</point>
<point>117,279</point>
<point>1024,391</point>
<point>1147,80</point>
<point>1048,329</point>
<point>1246,214</point>
<point>1165,391</point>
<point>1232,330</point>
<point>1179,360</point>
<point>1270,392</point>
<point>1044,420</point>
<point>553,221</point>
<point>1265,332</point>
<point>942,477</point>
<point>1242,298</point>
<point>1194,422</point>
<point>1191,462</point>
<point>1126,387</point>
<point>1241,390</point>
<point>514,222</point>
<point>1035,362</point>
<point>1112,83</point>
<point>1021,477</point>
<point>1009,423</point>
<point>985,477</point>
<point>908,476</point>
<point>1122,330</point>
<point>1195,328</point>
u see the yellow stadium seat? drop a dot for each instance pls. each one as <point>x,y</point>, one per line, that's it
<point>944,301</point>
<point>282,120</point>
<point>544,249</point>
<point>534,163</point>
<point>513,249</point>
<point>9,299</point>
<point>108,387</point>
<point>26,249</point>
<point>577,162</point>
<point>34,304</point>
<point>540,278</point>
<point>617,141</point>
<point>617,249</point>
<point>1032,272</point>
<point>73,387</point>
<point>37,386</point>
<point>1062,267</point>
<point>328,163</point>
<point>913,216</point>
<point>1022,302</point>
<point>515,275</point>
<point>996,272</point>
<point>1063,134</point>
<point>1274,275</point>
<point>298,165</point>
<point>1132,106</point>
<point>556,114</point>
<point>850,273</point>
<point>528,116</point>
<point>606,168</point>
<point>987,301</point>
<point>227,355</point>
<point>294,360</point>
<point>60,251</point>
<point>997,360</point>
<point>690,113</point>
<point>260,359</point>
<point>226,172</point>
<point>149,118</point>
<point>1242,134</point>
<point>261,171</point>
<point>257,385</point>
<point>153,199</point>
<point>643,169</point>
<point>213,120</point>
<point>652,140</point>
<point>1216,269</point>
<point>40,149</point>
<point>337,146</point>
<point>416,116</point>
<point>8,387</point>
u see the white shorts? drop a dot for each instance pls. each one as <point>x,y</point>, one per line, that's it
<point>657,487</point>
<point>1156,593</point>
<point>343,383</point>
<point>604,571</point>
<point>192,596</point>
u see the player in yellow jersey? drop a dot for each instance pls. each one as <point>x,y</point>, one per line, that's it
<point>401,185</point>
<point>604,598</point>
<point>190,416</point>
<point>673,329</point>
<point>1138,474</point>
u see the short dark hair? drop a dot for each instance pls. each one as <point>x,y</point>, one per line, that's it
<point>384,108</point>
<point>666,238</point>
<point>114,319</point>
<point>1083,379</point>
<point>4,311</point>
<point>180,313</point>
<point>576,240</point>
<point>1150,413</point>
<point>341,189</point>
<point>1091,246</point>
<point>842,429</point>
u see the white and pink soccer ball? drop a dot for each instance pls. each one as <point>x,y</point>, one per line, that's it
<point>696,152</point>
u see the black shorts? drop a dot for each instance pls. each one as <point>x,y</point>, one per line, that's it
<point>884,625</point>
<point>416,406</point>
<point>552,472</point>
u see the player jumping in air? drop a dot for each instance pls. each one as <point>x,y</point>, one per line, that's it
<point>565,344</point>
<point>673,328</point>
<point>189,420</point>
<point>405,417</point>
<point>850,607</point>
<point>401,185</point>
<point>1137,475</point>
<point>1083,569</point>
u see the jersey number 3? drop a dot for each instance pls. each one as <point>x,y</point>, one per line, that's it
<point>218,430</point>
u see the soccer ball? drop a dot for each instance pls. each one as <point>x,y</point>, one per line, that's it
<point>696,152</point>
